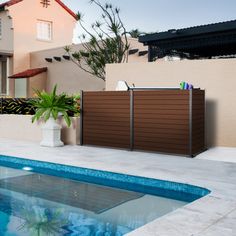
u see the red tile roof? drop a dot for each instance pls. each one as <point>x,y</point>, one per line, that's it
<point>29,73</point>
<point>67,9</point>
<point>9,3</point>
<point>12,2</point>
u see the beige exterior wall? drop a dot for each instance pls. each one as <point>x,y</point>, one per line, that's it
<point>24,16</point>
<point>217,77</point>
<point>20,127</point>
<point>6,42</point>
<point>67,75</point>
<point>37,82</point>
<point>6,39</point>
<point>134,58</point>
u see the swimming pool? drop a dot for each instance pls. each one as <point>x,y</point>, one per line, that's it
<point>50,199</point>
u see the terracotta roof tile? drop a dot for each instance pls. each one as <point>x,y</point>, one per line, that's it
<point>67,9</point>
<point>28,73</point>
<point>9,3</point>
<point>12,2</point>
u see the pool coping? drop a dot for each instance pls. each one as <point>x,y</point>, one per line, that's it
<point>165,188</point>
<point>209,215</point>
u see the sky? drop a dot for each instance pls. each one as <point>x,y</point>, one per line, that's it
<point>161,15</point>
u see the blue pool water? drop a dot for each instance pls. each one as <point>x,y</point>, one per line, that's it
<point>40,198</point>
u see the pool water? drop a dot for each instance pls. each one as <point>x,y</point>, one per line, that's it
<point>39,204</point>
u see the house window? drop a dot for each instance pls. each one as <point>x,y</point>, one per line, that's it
<point>44,30</point>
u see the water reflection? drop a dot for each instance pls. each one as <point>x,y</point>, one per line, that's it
<point>36,220</point>
<point>40,205</point>
<point>42,221</point>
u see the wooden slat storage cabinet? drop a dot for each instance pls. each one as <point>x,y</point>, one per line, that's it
<point>106,119</point>
<point>167,121</point>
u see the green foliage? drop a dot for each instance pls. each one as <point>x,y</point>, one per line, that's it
<point>135,33</point>
<point>106,43</point>
<point>51,105</point>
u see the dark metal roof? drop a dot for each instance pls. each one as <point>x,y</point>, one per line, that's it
<point>204,41</point>
<point>191,31</point>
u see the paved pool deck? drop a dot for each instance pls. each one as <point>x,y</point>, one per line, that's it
<point>213,215</point>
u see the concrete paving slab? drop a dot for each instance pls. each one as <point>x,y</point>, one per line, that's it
<point>211,216</point>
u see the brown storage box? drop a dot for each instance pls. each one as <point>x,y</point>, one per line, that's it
<point>170,121</point>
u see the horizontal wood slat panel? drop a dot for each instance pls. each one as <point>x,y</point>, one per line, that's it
<point>159,111</point>
<point>155,136</point>
<point>155,146</point>
<point>102,111</point>
<point>142,125</point>
<point>164,107</point>
<point>106,141</point>
<point>119,106</point>
<point>161,98</point>
<point>142,115</point>
<point>161,120</point>
<point>106,144</point>
<point>105,103</point>
<point>180,93</point>
<point>117,132</point>
<point>109,137</point>
<point>163,112</point>
<point>155,102</point>
<point>106,93</point>
<point>103,124</point>
<point>111,119</point>
<point>164,149</point>
<point>160,131</point>
<point>107,115</point>
<point>162,141</point>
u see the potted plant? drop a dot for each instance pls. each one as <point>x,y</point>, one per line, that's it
<point>48,106</point>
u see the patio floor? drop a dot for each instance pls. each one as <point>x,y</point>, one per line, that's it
<point>213,215</point>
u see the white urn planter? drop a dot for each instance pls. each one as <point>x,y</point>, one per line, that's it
<point>51,132</point>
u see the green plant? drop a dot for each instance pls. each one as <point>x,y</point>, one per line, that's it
<point>51,105</point>
<point>105,43</point>
<point>135,33</point>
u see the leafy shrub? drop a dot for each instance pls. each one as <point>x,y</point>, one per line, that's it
<point>52,105</point>
<point>23,106</point>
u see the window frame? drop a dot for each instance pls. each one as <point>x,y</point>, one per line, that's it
<point>40,35</point>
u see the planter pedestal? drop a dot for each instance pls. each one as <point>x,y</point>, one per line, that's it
<point>51,134</point>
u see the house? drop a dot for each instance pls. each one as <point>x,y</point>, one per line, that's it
<point>27,26</point>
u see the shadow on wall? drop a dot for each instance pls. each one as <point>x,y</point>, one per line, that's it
<point>211,123</point>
